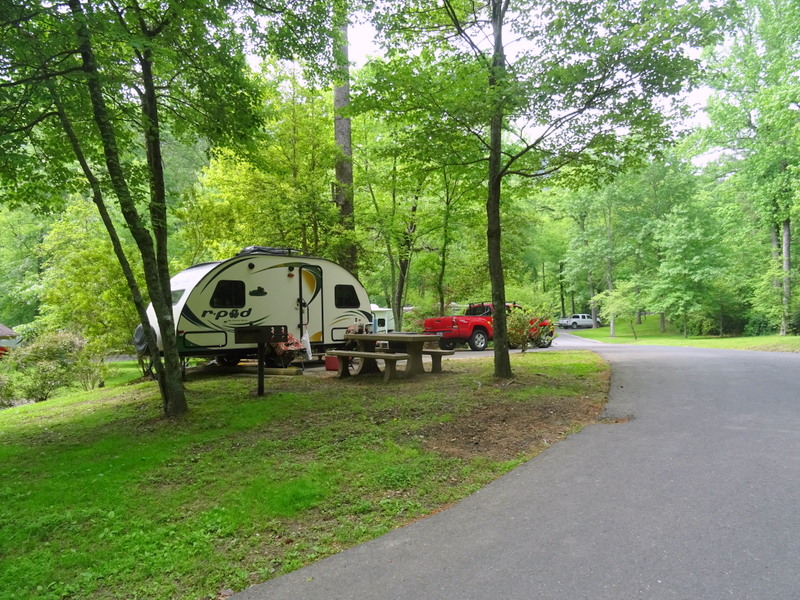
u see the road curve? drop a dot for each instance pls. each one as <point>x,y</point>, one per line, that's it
<point>696,497</point>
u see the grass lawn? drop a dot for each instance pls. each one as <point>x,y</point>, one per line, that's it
<point>101,497</point>
<point>648,334</point>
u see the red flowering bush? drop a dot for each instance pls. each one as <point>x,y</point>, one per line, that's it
<point>526,329</point>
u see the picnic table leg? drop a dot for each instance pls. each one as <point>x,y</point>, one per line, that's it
<point>368,365</point>
<point>436,363</point>
<point>343,369</point>
<point>416,358</point>
<point>414,365</point>
<point>389,370</point>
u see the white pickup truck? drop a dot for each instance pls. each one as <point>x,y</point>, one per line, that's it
<point>575,321</point>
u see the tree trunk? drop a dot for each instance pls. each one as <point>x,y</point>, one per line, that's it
<point>405,252</point>
<point>343,189</point>
<point>170,377</point>
<point>612,324</point>
<point>638,311</point>
<point>544,277</point>
<point>609,219</point>
<point>161,295</point>
<point>592,304</point>
<point>440,278</point>
<point>786,251</point>
<point>502,361</point>
<point>443,254</point>
<point>612,321</point>
<point>384,228</point>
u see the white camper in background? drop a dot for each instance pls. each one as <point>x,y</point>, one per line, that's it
<point>382,319</point>
<point>315,299</point>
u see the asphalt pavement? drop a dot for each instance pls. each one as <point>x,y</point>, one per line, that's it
<point>696,496</point>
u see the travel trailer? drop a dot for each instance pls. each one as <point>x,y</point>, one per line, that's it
<point>382,319</point>
<point>314,299</point>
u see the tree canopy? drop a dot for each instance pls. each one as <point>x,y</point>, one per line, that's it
<point>92,88</point>
<point>517,150</point>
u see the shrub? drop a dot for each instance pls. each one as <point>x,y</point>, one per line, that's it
<point>759,324</point>
<point>6,391</point>
<point>519,324</point>
<point>45,365</point>
<point>526,329</point>
<point>414,319</point>
<point>794,323</point>
<point>88,372</point>
<point>542,332</point>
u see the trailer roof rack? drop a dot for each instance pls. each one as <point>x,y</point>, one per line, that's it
<point>270,250</point>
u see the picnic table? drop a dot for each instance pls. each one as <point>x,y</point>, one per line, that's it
<point>401,346</point>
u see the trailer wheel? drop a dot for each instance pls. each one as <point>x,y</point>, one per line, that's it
<point>228,360</point>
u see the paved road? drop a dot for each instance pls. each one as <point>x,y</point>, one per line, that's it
<point>697,497</point>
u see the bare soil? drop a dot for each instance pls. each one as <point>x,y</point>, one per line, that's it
<point>506,430</point>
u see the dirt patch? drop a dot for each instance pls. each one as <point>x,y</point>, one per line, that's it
<point>503,431</point>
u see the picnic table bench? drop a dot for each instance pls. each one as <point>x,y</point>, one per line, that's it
<point>389,360</point>
<point>436,355</point>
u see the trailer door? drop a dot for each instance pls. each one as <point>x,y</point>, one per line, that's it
<point>309,302</point>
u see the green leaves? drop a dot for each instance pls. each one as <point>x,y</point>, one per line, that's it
<point>582,82</point>
<point>280,192</point>
<point>81,287</point>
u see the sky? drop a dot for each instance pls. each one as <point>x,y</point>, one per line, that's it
<point>362,43</point>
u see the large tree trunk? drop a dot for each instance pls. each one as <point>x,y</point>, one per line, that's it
<point>170,377</point>
<point>172,385</point>
<point>343,190</point>
<point>502,361</point>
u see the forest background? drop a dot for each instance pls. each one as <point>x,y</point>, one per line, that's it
<point>690,216</point>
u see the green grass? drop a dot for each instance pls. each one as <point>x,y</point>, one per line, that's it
<point>122,372</point>
<point>101,497</point>
<point>648,334</point>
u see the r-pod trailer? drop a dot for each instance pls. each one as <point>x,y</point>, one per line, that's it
<point>311,302</point>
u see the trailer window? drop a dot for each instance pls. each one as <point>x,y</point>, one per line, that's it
<point>228,294</point>
<point>176,296</point>
<point>345,296</point>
